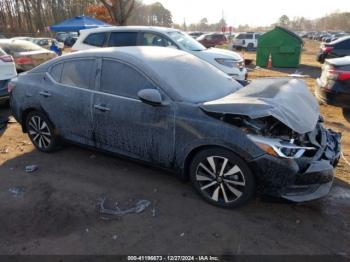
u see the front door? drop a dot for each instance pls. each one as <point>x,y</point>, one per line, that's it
<point>124,124</point>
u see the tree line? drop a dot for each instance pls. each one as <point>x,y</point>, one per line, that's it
<point>337,21</point>
<point>32,17</point>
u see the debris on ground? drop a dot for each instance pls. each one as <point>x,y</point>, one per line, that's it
<point>17,191</point>
<point>114,237</point>
<point>4,150</point>
<point>154,212</point>
<point>117,211</point>
<point>31,168</point>
<point>11,120</point>
<point>298,74</point>
<point>182,234</point>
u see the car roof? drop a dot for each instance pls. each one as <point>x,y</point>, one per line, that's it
<point>14,41</point>
<point>339,40</point>
<point>341,61</point>
<point>159,63</point>
<point>129,28</point>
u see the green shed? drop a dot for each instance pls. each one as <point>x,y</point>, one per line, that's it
<point>283,45</point>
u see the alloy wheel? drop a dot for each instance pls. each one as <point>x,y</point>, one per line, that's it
<point>220,180</point>
<point>39,132</point>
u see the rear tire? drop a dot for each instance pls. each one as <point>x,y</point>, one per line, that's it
<point>222,178</point>
<point>250,47</point>
<point>41,132</point>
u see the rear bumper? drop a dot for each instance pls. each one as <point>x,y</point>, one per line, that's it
<point>332,96</point>
<point>302,179</point>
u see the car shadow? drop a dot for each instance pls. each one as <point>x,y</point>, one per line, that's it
<point>60,201</point>
<point>309,70</point>
<point>346,114</point>
<point>5,113</point>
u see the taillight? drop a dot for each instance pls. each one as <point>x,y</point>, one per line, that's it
<point>343,76</point>
<point>327,49</point>
<point>338,75</point>
<point>24,60</point>
<point>6,58</point>
<point>10,87</point>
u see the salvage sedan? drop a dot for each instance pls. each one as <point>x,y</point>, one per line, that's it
<point>172,110</point>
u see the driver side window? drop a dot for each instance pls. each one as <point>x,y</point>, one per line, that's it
<point>150,39</point>
<point>121,79</point>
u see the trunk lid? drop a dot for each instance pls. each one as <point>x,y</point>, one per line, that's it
<point>287,100</point>
<point>38,57</point>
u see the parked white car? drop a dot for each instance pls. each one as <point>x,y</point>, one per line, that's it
<point>7,71</point>
<point>227,61</point>
<point>248,40</point>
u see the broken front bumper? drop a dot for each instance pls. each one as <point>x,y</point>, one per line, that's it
<point>302,179</point>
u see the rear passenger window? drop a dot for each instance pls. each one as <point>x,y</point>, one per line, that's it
<point>56,72</point>
<point>123,39</point>
<point>120,79</point>
<point>97,39</point>
<point>249,36</point>
<point>77,73</point>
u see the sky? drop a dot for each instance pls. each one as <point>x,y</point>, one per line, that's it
<point>252,12</point>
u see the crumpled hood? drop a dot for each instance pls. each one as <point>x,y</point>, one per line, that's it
<point>287,100</point>
<point>217,53</point>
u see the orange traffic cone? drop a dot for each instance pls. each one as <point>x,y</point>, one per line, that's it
<point>269,64</point>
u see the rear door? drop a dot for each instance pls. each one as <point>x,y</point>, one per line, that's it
<point>66,96</point>
<point>125,125</point>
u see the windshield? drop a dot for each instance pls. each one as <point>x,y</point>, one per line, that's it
<point>192,79</point>
<point>185,41</point>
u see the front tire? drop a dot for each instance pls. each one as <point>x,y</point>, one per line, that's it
<point>41,132</point>
<point>222,178</point>
<point>250,47</point>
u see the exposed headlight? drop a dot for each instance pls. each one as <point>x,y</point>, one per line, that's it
<point>226,62</point>
<point>278,147</point>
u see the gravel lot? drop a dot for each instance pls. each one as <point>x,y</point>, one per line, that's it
<point>55,210</point>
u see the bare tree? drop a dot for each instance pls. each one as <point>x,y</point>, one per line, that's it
<point>119,10</point>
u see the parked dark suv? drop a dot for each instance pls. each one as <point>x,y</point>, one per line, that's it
<point>338,48</point>
<point>333,87</point>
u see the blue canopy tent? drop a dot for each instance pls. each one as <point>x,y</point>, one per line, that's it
<point>77,23</point>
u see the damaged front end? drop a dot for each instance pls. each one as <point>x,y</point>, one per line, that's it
<point>300,154</point>
<point>297,167</point>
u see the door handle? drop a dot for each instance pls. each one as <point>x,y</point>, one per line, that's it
<point>45,94</point>
<point>102,108</point>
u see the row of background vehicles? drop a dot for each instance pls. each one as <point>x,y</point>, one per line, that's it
<point>243,40</point>
<point>189,114</point>
<point>326,37</point>
<point>19,54</point>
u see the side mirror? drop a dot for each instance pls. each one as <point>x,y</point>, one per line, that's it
<point>150,96</point>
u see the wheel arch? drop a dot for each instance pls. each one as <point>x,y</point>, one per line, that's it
<point>196,150</point>
<point>26,112</point>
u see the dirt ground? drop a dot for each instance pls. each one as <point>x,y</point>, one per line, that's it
<point>54,210</point>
